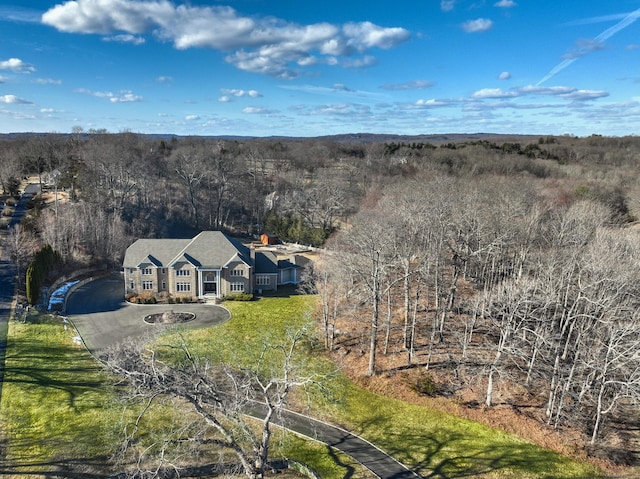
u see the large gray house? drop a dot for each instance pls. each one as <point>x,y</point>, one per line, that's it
<point>210,265</point>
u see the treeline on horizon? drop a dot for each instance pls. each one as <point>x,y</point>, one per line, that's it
<point>299,189</point>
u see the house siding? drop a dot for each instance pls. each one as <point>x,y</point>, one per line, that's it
<point>272,284</point>
<point>236,273</point>
<point>182,274</point>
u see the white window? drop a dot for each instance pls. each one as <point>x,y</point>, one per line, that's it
<point>132,285</point>
<point>147,271</point>
<point>164,285</point>
<point>164,270</point>
<point>183,287</point>
<point>237,287</point>
<point>236,272</point>
<point>183,272</point>
<point>263,280</point>
<point>147,285</point>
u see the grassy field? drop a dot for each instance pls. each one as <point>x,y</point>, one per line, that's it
<point>59,409</point>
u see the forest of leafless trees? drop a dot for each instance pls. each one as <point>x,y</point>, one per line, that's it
<point>506,265</point>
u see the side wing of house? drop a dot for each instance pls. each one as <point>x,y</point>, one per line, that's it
<point>289,271</point>
<point>266,271</point>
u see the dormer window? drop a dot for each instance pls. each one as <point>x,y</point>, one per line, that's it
<point>147,271</point>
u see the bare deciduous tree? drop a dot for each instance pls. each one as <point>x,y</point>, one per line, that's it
<point>220,396</point>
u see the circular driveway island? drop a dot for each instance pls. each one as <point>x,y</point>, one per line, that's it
<point>103,318</point>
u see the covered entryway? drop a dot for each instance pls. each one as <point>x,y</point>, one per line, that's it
<point>210,280</point>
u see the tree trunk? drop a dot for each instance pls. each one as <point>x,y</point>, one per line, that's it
<point>375,296</point>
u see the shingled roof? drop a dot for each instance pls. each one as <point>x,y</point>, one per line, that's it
<point>158,252</point>
<point>208,250</point>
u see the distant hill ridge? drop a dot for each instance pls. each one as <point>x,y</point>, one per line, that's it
<point>340,138</point>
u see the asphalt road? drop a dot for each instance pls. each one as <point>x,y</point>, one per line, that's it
<point>7,277</point>
<point>29,192</point>
<point>7,274</point>
<point>103,319</point>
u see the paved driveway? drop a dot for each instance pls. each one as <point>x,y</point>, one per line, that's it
<point>103,318</point>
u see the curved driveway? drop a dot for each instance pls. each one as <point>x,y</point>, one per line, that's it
<point>103,318</point>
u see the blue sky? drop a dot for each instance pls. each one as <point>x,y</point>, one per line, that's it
<point>308,68</point>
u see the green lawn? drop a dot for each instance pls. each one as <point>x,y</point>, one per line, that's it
<point>57,404</point>
<point>59,409</point>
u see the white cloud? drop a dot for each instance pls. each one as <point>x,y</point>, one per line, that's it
<point>362,62</point>
<point>365,35</point>
<point>342,87</point>
<point>191,117</point>
<point>255,110</point>
<point>494,93</point>
<point>125,38</point>
<point>307,61</point>
<point>13,100</point>
<point>123,96</point>
<point>412,85</point>
<point>504,76</point>
<point>477,26</point>
<point>47,81</point>
<point>19,14</point>
<point>505,4</point>
<point>343,109</point>
<point>229,93</point>
<point>584,95</point>
<point>240,93</point>
<point>16,65</point>
<point>164,79</point>
<point>261,45</point>
<point>432,103</point>
<point>584,47</point>
<point>531,90</point>
<point>3,79</point>
<point>447,5</point>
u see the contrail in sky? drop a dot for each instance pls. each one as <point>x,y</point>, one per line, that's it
<point>608,33</point>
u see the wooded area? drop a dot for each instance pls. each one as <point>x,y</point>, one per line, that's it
<point>502,265</point>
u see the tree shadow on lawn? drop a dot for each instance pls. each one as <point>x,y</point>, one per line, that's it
<point>449,455</point>
<point>73,468</point>
<point>45,367</point>
<point>348,468</point>
<point>45,372</point>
